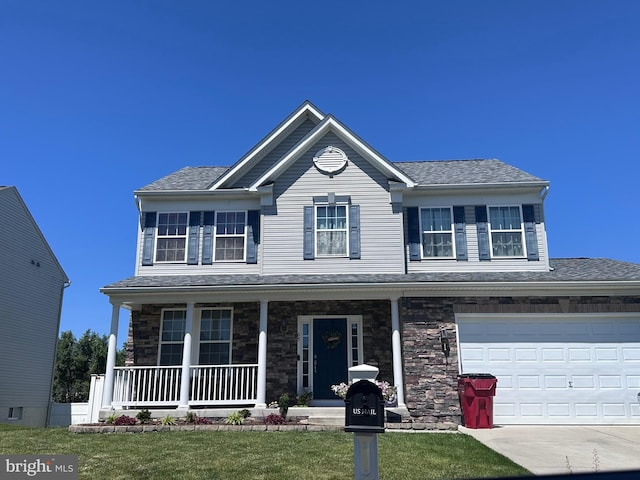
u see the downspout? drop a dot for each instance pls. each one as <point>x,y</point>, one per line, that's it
<point>47,421</point>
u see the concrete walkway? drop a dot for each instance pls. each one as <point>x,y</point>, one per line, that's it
<point>547,450</point>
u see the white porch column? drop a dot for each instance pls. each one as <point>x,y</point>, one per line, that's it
<point>186,360</point>
<point>107,395</point>
<point>396,347</point>
<point>261,401</point>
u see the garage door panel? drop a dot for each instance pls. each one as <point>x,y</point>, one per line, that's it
<point>631,354</point>
<point>586,371</point>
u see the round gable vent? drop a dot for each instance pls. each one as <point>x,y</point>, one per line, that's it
<point>330,160</point>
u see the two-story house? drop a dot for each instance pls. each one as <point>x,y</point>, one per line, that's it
<point>314,253</point>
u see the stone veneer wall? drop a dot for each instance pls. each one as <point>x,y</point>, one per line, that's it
<point>282,334</point>
<point>430,384</point>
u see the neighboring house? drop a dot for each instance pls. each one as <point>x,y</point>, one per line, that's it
<point>31,289</point>
<point>314,253</point>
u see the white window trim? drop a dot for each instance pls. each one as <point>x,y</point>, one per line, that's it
<point>195,351</point>
<point>216,236</point>
<point>308,319</point>
<point>521,230</point>
<point>158,236</point>
<point>14,414</point>
<point>315,230</point>
<point>172,342</point>
<point>451,231</point>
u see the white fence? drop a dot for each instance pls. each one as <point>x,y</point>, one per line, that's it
<point>65,414</point>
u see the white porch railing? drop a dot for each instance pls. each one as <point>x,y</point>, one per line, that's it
<point>209,385</point>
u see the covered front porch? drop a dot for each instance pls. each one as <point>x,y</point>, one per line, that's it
<point>249,384</point>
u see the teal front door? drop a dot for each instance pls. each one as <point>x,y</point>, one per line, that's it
<point>329,356</point>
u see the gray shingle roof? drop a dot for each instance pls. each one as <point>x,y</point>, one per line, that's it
<point>564,270</point>
<point>187,178</point>
<point>447,172</point>
<point>443,172</point>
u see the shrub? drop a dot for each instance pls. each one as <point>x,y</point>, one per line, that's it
<point>144,416</point>
<point>304,399</point>
<point>273,419</point>
<point>235,418</point>
<point>125,420</point>
<point>283,403</point>
<point>191,417</point>
<point>245,413</point>
<point>202,421</point>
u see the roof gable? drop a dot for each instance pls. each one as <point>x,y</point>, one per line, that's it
<point>331,124</point>
<point>305,111</point>
<point>12,195</point>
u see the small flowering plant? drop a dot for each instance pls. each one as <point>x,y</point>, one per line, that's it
<point>388,391</point>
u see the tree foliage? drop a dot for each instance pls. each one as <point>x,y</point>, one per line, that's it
<point>76,361</point>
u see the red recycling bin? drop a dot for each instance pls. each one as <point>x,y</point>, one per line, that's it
<point>476,391</point>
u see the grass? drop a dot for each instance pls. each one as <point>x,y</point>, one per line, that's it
<point>259,455</point>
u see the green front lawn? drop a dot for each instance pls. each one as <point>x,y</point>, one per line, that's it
<point>259,455</point>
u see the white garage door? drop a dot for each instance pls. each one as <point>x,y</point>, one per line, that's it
<point>559,369</point>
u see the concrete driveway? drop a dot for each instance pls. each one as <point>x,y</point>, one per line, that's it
<point>547,450</point>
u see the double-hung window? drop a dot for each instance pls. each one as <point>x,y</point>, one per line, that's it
<point>215,337</point>
<point>437,232</point>
<point>505,224</point>
<point>171,243</point>
<point>230,236</point>
<point>331,230</point>
<point>172,336</point>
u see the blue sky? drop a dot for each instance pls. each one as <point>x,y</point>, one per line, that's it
<point>98,99</point>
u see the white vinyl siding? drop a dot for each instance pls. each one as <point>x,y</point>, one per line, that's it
<point>381,239</point>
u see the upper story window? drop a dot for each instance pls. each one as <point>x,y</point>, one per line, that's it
<point>200,237</point>
<point>172,336</point>
<point>437,232</point>
<point>506,231</point>
<point>230,236</point>
<point>331,230</point>
<point>171,242</point>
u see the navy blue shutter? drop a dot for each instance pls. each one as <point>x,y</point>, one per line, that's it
<point>413,232</point>
<point>207,238</point>
<point>354,231</point>
<point>194,238</point>
<point>460,232</point>
<point>482,225</point>
<point>530,236</point>
<point>253,235</point>
<point>148,230</point>
<point>308,250</point>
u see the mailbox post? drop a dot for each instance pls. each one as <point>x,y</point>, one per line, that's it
<point>364,416</point>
